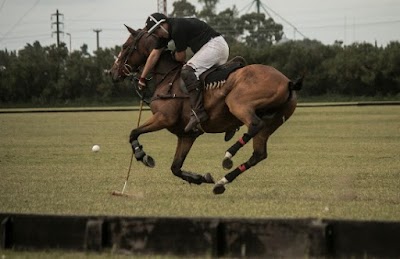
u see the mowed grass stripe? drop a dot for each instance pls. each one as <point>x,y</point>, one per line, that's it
<point>330,162</point>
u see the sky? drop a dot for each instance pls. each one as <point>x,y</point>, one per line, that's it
<point>23,22</point>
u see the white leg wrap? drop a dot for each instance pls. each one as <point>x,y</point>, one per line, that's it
<point>228,155</point>
<point>223,181</point>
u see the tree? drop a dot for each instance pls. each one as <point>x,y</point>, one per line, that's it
<point>35,72</point>
<point>228,24</point>
<point>209,10</point>
<point>45,75</point>
<point>261,31</point>
<point>389,79</point>
<point>6,75</point>
<point>85,50</point>
<point>354,69</point>
<point>183,8</point>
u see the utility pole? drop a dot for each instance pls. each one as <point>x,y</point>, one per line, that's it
<point>57,23</point>
<point>97,31</point>
<point>258,4</point>
<point>162,6</point>
<point>69,35</point>
<point>266,9</point>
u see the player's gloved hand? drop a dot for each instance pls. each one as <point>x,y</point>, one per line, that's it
<point>142,83</point>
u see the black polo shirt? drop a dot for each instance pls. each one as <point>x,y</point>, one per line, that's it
<point>188,32</point>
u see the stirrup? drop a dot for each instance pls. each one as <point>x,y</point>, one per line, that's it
<point>193,122</point>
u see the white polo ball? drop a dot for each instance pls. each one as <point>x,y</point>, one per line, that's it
<point>96,148</point>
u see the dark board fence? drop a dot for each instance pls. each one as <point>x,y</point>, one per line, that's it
<point>137,108</point>
<point>211,237</point>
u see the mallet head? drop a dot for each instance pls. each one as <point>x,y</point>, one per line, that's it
<point>116,193</point>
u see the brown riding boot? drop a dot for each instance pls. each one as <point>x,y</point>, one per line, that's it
<point>198,113</point>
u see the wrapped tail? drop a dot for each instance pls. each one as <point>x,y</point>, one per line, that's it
<point>297,84</point>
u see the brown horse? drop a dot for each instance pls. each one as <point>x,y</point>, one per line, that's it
<point>257,96</point>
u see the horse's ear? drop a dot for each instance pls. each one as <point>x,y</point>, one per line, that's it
<point>132,31</point>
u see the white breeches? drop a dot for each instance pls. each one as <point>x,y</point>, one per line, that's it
<point>214,52</point>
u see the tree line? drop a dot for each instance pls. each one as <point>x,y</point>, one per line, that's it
<point>46,75</point>
<point>50,75</point>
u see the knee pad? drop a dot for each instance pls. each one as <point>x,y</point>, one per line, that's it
<point>188,76</point>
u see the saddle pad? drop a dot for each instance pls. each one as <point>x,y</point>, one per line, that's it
<point>221,73</point>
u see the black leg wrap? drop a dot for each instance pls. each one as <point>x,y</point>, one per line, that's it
<point>235,148</point>
<point>238,144</point>
<point>192,178</point>
<point>232,175</point>
<point>235,173</point>
<point>246,137</point>
<point>137,149</point>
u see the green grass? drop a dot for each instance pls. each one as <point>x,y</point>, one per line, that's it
<point>331,162</point>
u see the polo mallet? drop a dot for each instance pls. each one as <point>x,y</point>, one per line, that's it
<point>121,193</point>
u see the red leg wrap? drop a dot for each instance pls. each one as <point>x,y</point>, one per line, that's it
<point>241,141</point>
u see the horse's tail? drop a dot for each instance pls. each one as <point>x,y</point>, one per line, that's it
<point>297,84</point>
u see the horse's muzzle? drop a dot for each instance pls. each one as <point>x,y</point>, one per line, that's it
<point>115,76</point>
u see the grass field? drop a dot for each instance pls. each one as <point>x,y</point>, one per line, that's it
<point>328,162</point>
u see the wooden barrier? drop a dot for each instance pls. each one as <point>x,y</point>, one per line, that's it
<point>211,237</point>
<point>146,108</point>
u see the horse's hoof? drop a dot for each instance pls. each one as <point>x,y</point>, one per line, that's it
<point>208,178</point>
<point>229,135</point>
<point>148,161</point>
<point>219,189</point>
<point>227,163</point>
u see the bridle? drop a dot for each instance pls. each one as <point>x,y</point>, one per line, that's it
<point>128,70</point>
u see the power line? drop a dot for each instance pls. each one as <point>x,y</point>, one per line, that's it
<point>219,27</point>
<point>20,19</point>
<point>283,19</point>
<point>267,9</point>
<point>2,4</point>
<point>26,36</point>
<point>247,6</point>
<point>362,24</point>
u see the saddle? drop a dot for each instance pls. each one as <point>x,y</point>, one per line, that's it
<point>216,76</point>
<point>213,78</point>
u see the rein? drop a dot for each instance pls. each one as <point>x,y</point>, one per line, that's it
<point>169,94</point>
<point>128,68</point>
<point>129,71</point>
